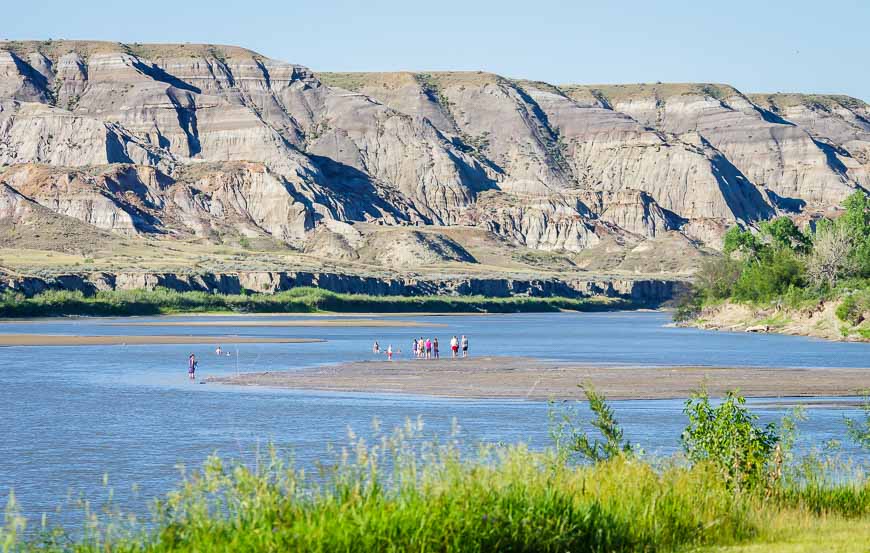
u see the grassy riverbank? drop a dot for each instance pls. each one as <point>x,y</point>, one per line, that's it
<point>298,300</point>
<point>736,488</point>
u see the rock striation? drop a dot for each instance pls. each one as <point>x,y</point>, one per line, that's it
<point>209,142</point>
<point>642,292</point>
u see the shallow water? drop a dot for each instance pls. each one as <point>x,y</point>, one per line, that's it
<point>72,414</point>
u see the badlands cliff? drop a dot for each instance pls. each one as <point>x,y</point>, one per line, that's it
<point>103,143</point>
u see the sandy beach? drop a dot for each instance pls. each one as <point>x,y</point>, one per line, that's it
<point>521,377</point>
<point>61,340</point>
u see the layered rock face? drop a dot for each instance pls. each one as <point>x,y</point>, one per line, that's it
<point>208,141</point>
<point>640,292</point>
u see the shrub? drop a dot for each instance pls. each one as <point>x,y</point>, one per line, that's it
<point>728,437</point>
<point>854,306</point>
<point>772,275</point>
<point>571,438</point>
<point>859,430</point>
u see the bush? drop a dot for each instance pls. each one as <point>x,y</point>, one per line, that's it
<point>728,437</point>
<point>858,429</point>
<point>771,276</point>
<point>853,307</point>
<point>570,438</point>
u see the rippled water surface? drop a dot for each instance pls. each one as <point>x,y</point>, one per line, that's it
<point>69,415</point>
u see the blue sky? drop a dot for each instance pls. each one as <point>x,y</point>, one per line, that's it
<point>757,46</point>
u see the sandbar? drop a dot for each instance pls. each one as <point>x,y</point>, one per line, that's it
<point>62,340</point>
<point>529,378</point>
<point>294,323</point>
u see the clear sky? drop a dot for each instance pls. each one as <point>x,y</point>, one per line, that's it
<point>757,46</point>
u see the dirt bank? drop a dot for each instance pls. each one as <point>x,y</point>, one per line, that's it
<point>519,377</point>
<point>818,321</point>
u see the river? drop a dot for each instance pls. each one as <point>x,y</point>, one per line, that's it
<point>71,415</point>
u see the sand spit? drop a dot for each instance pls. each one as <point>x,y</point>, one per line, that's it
<point>379,323</point>
<point>60,340</point>
<point>519,377</point>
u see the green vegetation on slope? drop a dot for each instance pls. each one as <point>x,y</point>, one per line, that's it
<point>397,492</point>
<point>784,266</point>
<point>297,300</point>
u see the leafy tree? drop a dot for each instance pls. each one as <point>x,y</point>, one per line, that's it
<point>856,219</point>
<point>729,437</point>
<point>856,222</point>
<point>741,241</point>
<point>775,272</point>
<point>783,233</point>
<point>717,277</point>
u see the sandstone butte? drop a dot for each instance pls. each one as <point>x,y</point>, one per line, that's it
<point>179,158</point>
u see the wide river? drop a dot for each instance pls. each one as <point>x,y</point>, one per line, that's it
<point>70,415</point>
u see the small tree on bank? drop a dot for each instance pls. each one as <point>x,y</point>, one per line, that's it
<point>729,437</point>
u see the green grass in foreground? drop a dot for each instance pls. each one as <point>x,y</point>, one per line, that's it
<point>298,300</point>
<point>398,492</point>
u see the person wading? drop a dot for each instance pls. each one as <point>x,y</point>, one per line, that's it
<point>191,366</point>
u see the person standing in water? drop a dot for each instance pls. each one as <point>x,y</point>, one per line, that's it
<point>390,352</point>
<point>435,347</point>
<point>428,348</point>
<point>454,346</point>
<point>376,348</point>
<point>191,367</point>
<point>464,345</point>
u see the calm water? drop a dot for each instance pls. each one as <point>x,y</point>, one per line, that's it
<point>72,414</point>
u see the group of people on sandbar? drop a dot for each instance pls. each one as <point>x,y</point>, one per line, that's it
<point>427,348</point>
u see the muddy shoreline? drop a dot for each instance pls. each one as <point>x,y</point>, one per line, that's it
<point>528,378</point>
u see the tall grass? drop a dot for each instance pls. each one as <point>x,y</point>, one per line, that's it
<point>398,492</point>
<point>297,300</point>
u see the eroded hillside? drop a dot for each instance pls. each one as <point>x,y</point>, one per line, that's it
<point>224,152</point>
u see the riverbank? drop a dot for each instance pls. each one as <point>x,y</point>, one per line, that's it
<point>529,378</point>
<point>816,320</point>
<point>299,300</point>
